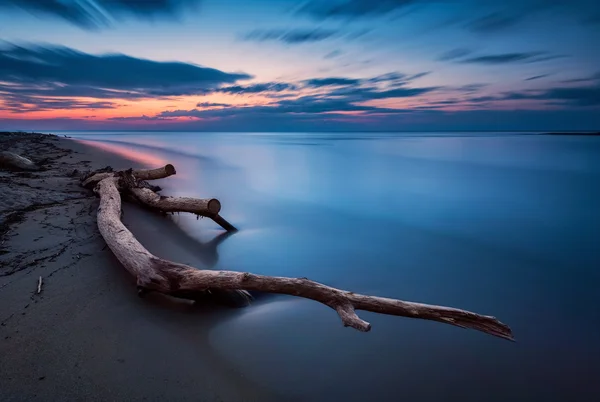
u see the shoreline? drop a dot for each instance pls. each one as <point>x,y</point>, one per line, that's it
<point>87,336</point>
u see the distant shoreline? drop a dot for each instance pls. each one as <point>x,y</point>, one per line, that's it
<point>586,134</point>
<point>63,133</point>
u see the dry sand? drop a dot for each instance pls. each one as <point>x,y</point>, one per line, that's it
<point>87,336</point>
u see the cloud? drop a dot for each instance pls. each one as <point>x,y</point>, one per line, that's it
<point>390,80</point>
<point>337,96</point>
<point>420,120</point>
<point>367,94</point>
<point>332,81</point>
<point>580,96</point>
<point>53,71</point>
<point>594,77</point>
<point>492,22</point>
<point>333,54</point>
<point>307,105</point>
<point>477,16</point>
<point>211,104</point>
<point>340,96</point>
<point>455,54</point>
<point>537,77</point>
<point>349,9</point>
<point>328,94</point>
<point>24,104</point>
<point>92,14</point>
<point>510,58</point>
<point>470,88</point>
<point>337,101</point>
<point>291,36</point>
<point>395,79</point>
<point>63,65</point>
<point>137,118</point>
<point>258,88</point>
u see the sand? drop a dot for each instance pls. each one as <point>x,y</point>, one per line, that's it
<point>87,335</point>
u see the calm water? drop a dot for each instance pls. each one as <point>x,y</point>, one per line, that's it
<point>505,225</point>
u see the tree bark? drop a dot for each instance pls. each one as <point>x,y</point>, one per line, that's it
<point>94,178</point>
<point>179,280</point>
<point>155,174</point>
<point>203,207</point>
<point>209,207</point>
<point>91,181</point>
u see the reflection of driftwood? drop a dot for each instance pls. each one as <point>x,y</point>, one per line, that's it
<point>155,274</point>
<point>206,252</point>
<point>210,248</point>
<point>13,161</point>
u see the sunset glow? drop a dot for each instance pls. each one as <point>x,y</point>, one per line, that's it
<point>299,65</point>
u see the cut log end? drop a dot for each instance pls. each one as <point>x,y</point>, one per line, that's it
<point>214,206</point>
<point>170,170</point>
<point>155,174</point>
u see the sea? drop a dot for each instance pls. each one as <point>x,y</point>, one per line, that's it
<point>503,224</point>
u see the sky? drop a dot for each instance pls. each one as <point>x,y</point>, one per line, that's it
<point>300,65</point>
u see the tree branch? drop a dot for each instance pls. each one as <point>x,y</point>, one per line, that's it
<point>155,174</point>
<point>204,207</point>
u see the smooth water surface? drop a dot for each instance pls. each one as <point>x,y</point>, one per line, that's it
<point>505,225</point>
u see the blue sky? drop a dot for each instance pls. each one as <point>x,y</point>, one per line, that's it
<point>230,65</point>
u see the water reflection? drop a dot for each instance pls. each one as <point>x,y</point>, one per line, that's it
<point>206,251</point>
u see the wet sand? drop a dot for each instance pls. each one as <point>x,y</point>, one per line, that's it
<point>87,336</point>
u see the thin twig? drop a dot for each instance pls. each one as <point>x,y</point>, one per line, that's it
<point>39,288</point>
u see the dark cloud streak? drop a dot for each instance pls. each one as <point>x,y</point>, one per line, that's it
<point>211,104</point>
<point>492,22</point>
<point>259,88</point>
<point>510,58</point>
<point>54,71</point>
<point>92,14</point>
<point>332,81</point>
<point>455,54</point>
<point>292,36</point>
<point>50,77</point>
<point>350,9</point>
<point>537,77</point>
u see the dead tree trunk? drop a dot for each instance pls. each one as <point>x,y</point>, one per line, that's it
<point>159,275</point>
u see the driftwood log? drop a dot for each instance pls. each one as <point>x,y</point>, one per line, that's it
<point>154,274</point>
<point>13,161</point>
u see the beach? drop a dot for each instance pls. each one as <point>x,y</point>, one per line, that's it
<point>87,335</point>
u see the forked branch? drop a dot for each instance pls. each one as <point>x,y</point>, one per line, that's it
<point>132,182</point>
